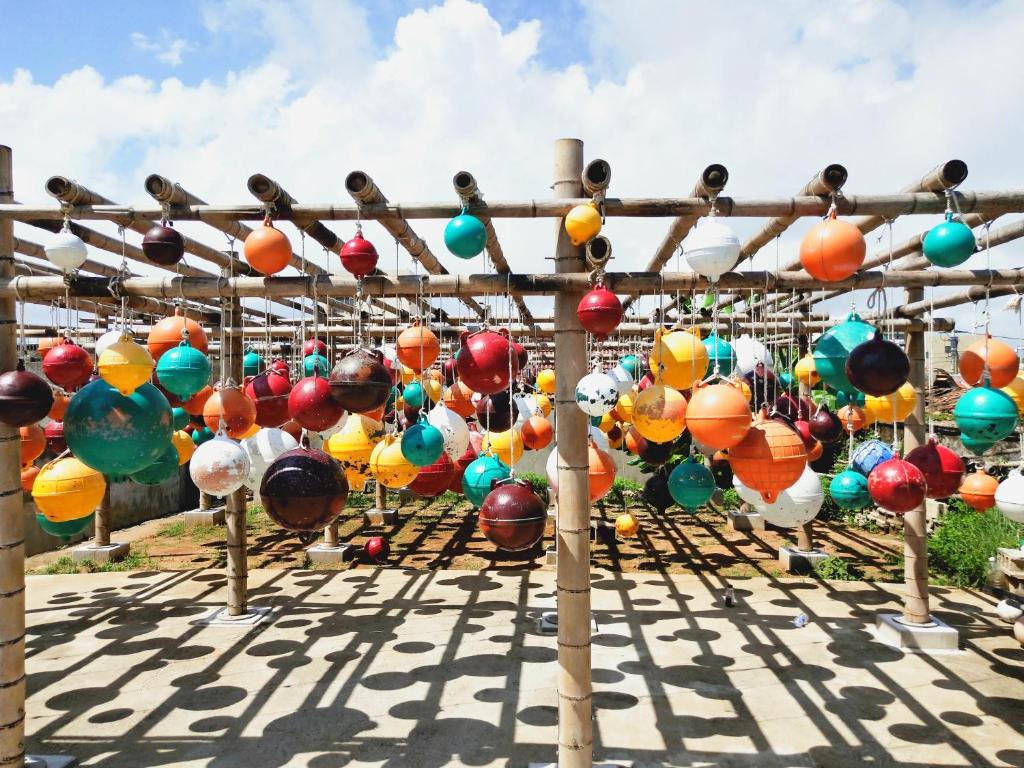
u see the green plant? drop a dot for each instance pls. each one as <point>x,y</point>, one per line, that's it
<point>205,531</point>
<point>536,480</point>
<point>133,561</point>
<point>829,509</point>
<point>624,489</point>
<point>961,546</point>
<point>64,565</point>
<point>835,568</point>
<point>731,499</point>
<point>173,530</point>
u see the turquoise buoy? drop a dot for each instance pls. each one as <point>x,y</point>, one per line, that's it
<point>413,394</point>
<point>200,436</point>
<point>252,363</point>
<point>159,471</point>
<point>481,472</point>
<point>721,350</point>
<point>691,485</point>
<point>114,434</point>
<point>465,236</point>
<point>849,398</point>
<point>67,528</point>
<point>183,370</point>
<point>949,244</point>
<point>787,380</point>
<point>849,490</point>
<point>316,365</point>
<point>631,363</point>
<point>834,347</point>
<point>983,414</point>
<point>422,444</point>
<point>180,418</point>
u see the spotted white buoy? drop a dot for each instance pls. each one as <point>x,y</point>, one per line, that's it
<point>219,466</point>
<point>66,250</point>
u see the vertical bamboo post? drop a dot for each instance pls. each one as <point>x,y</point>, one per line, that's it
<point>234,505</point>
<point>804,534</point>
<point>575,726</point>
<point>915,535</point>
<point>331,535</point>
<point>101,521</point>
<point>12,526</point>
<point>380,497</point>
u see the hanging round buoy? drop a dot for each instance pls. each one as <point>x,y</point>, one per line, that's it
<point>691,484</point>
<point>798,504</point>
<point>33,442</point>
<point>949,244</point>
<point>195,404</point>
<point>826,426</point>
<point>1015,389</point>
<point>54,434</point>
<point>512,516</point>
<point>483,361</point>
<point>453,430</point>
<point>770,458</point>
<point>465,236</point>
<point>267,249</point>
<point>28,477</point>
<point>625,403</point>
<point>805,372</point>
<point>832,250</point>
<point>877,367</point>
<point>66,250</point>
<point>678,358</point>
<point>1003,362</point>
<point>263,449</point>
<point>985,416</point>
<point>834,347</point>
<point>943,470</point>
<point>163,244</point>
<point>314,346</point>
<point>711,248</point>
<point>269,392</point>
<point>126,366</point>
<point>252,363</point>
<point>179,418</point>
<point>868,455</point>
<point>597,393</point>
<point>182,371</point>
<point>978,490</point>
<point>60,405</point>
<point>849,490</point>
<point>749,352</point>
<point>316,365</point>
<point>853,418</point>
<point>311,404</point>
<point>422,444</point>
<point>353,445</point>
<point>659,413</point>
<point>1010,497</point>
<point>582,223</point>
<point>183,445</point>
<point>219,466</point>
<point>546,381</point>
<point>897,486</point>
<point>600,473</point>
<point>304,489</point>
<point>358,256</point>
<point>160,471</point>
<point>201,436</point>
<point>792,407</point>
<point>480,475</point>
<point>67,489</point>
<point>433,479</point>
<point>507,445</point>
<point>116,434</point>
<point>537,432</point>
<point>459,398</point>
<point>599,312</point>
<point>230,406</point>
<point>360,382</point>
<point>167,334</point>
<point>67,365</point>
<point>389,466</point>
<point>417,347</point>
<point>899,404</point>
<point>626,525</point>
<point>721,352</point>
<point>622,378</point>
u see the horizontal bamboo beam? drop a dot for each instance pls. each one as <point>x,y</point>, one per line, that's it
<point>172,287</point>
<point>889,206</point>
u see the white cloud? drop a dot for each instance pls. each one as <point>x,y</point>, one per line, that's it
<point>168,49</point>
<point>773,91</point>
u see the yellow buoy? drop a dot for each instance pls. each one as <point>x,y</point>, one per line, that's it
<point>125,365</point>
<point>507,445</point>
<point>607,422</point>
<point>353,445</point>
<point>626,525</point>
<point>544,403</point>
<point>389,466</point>
<point>659,413</point>
<point>583,223</point>
<point>624,407</point>
<point>546,381</point>
<point>182,442</point>
<point>805,371</point>
<point>66,489</point>
<point>880,409</point>
<point>1015,389</point>
<point>408,374</point>
<point>432,388</point>
<point>250,431</point>
<point>678,358</point>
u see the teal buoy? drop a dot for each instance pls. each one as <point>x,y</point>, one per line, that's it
<point>252,363</point>
<point>114,434</point>
<point>849,490</point>
<point>180,418</point>
<point>183,370</point>
<point>984,415</point>
<point>631,363</point>
<point>691,485</point>
<point>977,447</point>
<point>787,380</point>
<point>67,528</point>
<point>159,471</point>
<point>949,244</point>
<point>481,472</point>
<point>834,347</point>
<point>422,444</point>
<point>316,365</point>
<point>721,350</point>
<point>413,394</point>
<point>200,436</point>
<point>465,236</point>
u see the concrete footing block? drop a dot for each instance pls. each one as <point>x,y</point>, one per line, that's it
<point>219,617</point>
<point>550,556</point>
<point>50,761</point>
<point>934,637</point>
<point>547,624</point>
<point>745,521</point>
<point>108,553</point>
<point>321,554</point>
<point>796,561</point>
<point>212,516</point>
<point>379,517</point>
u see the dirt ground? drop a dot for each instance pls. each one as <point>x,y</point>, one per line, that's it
<point>443,533</point>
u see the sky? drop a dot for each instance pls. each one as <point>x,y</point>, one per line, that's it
<point>208,93</point>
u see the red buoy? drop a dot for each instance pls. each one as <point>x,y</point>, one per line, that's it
<point>377,549</point>
<point>55,442</point>
<point>512,517</point>
<point>319,346</point>
<point>433,479</point>
<point>270,390</point>
<point>483,361</point>
<point>897,485</point>
<point>943,470</point>
<point>310,404</point>
<point>599,311</point>
<point>358,256</point>
<point>68,365</point>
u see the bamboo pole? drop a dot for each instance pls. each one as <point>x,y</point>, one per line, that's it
<point>805,534</point>
<point>235,504</point>
<point>575,726</point>
<point>915,533</point>
<point>466,188</point>
<point>101,520</point>
<point>889,205</point>
<point>367,195</point>
<point>712,181</point>
<point>12,533</point>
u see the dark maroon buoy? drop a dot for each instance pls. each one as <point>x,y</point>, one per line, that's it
<point>163,245</point>
<point>825,426</point>
<point>24,397</point>
<point>304,489</point>
<point>877,367</point>
<point>654,453</point>
<point>360,382</point>
<point>493,411</point>
<point>433,479</point>
<point>55,442</point>
<point>512,517</point>
<point>449,371</point>
<point>656,492</point>
<point>793,408</point>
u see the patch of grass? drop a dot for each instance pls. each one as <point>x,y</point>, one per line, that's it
<point>205,531</point>
<point>135,560</point>
<point>960,548</point>
<point>835,568</point>
<point>535,479</point>
<point>731,499</point>
<point>64,565</point>
<point>359,500</point>
<point>450,498</point>
<point>174,530</point>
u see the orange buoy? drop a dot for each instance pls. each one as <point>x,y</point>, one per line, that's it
<point>237,411</point>
<point>770,458</point>
<point>659,413</point>
<point>717,415</point>
<point>1003,362</point>
<point>60,404</point>
<point>537,432</point>
<point>167,334</point>
<point>601,472</point>
<point>33,443</point>
<point>194,405</point>
<point>978,490</point>
<point>832,250</point>
<point>267,249</point>
<point>28,477</point>
<point>853,418</point>
<point>459,398</point>
<point>417,347</point>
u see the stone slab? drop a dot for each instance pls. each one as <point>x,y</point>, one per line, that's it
<point>550,556</point>
<point>50,761</point>
<point>934,637</point>
<point>379,517</point>
<point>547,624</point>
<point>212,516</point>
<point>745,521</point>
<point>218,617</point>
<point>321,554</point>
<point>109,553</point>
<point>796,561</point>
